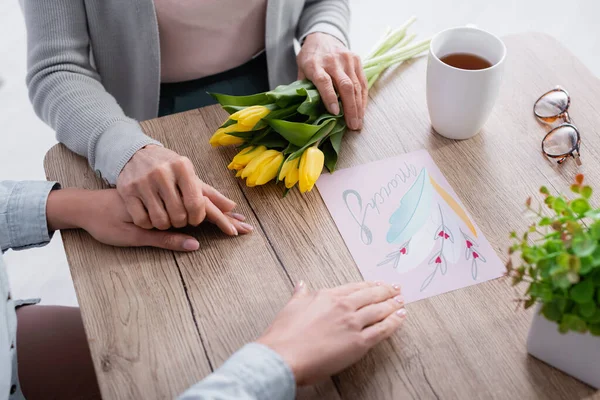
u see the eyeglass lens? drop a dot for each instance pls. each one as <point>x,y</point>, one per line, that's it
<point>552,104</point>
<point>560,141</point>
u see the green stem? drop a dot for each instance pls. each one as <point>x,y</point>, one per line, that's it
<point>396,55</point>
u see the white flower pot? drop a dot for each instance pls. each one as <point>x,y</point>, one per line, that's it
<point>573,353</point>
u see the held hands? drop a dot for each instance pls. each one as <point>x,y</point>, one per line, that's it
<point>326,62</point>
<point>103,214</point>
<point>160,189</point>
<point>321,333</point>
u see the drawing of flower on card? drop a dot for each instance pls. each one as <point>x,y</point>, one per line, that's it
<point>424,227</point>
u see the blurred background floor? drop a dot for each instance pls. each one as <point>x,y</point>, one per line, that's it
<point>24,139</point>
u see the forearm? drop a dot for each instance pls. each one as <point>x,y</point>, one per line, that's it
<point>255,372</point>
<point>66,207</point>
<point>326,16</point>
<point>67,92</point>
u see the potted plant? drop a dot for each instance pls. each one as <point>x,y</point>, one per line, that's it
<point>559,260</point>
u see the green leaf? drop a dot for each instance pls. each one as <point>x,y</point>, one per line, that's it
<point>595,319</point>
<point>270,140</point>
<point>594,329</point>
<point>545,221</point>
<point>312,105</point>
<point>586,265</point>
<point>593,214</point>
<point>559,204</point>
<point>583,245</point>
<point>594,230</point>
<point>282,113</point>
<point>587,310</point>
<point>595,278</point>
<point>586,192</point>
<point>551,311</point>
<point>580,206</point>
<point>574,323</point>
<point>561,280</point>
<point>529,302</point>
<point>284,95</point>
<point>583,292</point>
<point>544,190</point>
<point>243,101</point>
<point>319,136</point>
<point>332,146</point>
<point>294,132</point>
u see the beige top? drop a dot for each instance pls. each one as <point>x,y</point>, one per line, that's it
<point>204,37</point>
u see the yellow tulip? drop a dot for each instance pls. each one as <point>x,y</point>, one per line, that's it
<point>311,165</point>
<point>245,156</point>
<point>221,137</point>
<point>290,172</point>
<point>250,116</point>
<point>258,162</point>
<point>266,172</point>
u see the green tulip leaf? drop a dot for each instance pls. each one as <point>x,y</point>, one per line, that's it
<point>583,292</point>
<point>331,147</point>
<point>284,95</point>
<point>226,100</point>
<point>319,136</point>
<point>269,139</point>
<point>296,133</point>
<point>312,105</point>
<point>595,329</point>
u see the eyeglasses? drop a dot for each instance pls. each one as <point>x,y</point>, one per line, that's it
<point>563,140</point>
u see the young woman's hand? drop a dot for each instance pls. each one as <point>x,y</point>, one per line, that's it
<point>161,190</point>
<point>319,334</point>
<point>327,63</point>
<point>102,213</point>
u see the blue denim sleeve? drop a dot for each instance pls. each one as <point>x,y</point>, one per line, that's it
<point>254,372</point>
<point>23,214</point>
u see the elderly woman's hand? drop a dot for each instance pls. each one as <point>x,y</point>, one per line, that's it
<point>326,62</point>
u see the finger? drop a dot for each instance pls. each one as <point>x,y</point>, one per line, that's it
<point>137,211</point>
<point>223,203</point>
<point>156,210</point>
<point>301,75</point>
<point>349,288</point>
<point>384,329</point>
<point>240,226</point>
<point>300,290</point>
<point>374,313</point>
<point>358,98</point>
<point>174,205</point>
<point>373,295</point>
<point>237,216</point>
<point>345,87</point>
<point>364,84</point>
<point>324,84</point>
<point>214,215</point>
<point>167,240</point>
<point>191,188</point>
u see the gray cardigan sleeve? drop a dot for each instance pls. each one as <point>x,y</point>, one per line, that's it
<point>66,90</point>
<point>327,16</point>
<point>253,373</point>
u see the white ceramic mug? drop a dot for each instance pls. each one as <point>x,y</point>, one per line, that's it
<point>460,100</point>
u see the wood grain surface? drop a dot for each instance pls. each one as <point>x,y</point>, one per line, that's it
<point>158,321</point>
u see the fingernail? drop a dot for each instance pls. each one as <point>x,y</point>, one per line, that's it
<point>246,226</point>
<point>354,124</point>
<point>396,287</point>
<point>401,313</point>
<point>335,108</point>
<point>233,230</point>
<point>299,285</point>
<point>399,299</point>
<point>237,216</point>
<point>191,245</point>
<point>378,283</point>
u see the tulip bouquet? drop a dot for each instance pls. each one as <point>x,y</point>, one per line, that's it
<point>286,134</point>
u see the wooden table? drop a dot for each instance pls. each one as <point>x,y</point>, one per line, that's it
<point>159,321</point>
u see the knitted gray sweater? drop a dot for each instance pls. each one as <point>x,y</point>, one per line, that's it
<point>94,67</point>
